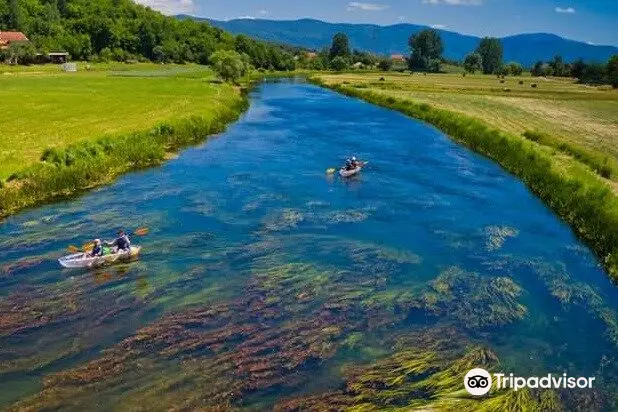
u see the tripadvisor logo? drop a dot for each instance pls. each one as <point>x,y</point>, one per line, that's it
<point>478,382</point>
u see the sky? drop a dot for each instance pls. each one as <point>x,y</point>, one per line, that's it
<point>592,21</point>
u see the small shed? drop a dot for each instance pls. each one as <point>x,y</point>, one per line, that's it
<point>58,57</point>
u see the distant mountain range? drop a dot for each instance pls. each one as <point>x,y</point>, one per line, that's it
<point>315,34</point>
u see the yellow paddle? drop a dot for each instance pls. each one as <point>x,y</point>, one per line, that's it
<point>331,171</point>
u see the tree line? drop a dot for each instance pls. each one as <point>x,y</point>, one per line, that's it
<point>120,30</point>
<point>592,73</point>
<point>426,55</point>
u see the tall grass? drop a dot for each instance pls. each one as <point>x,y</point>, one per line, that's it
<point>63,172</point>
<point>582,199</point>
<point>599,162</point>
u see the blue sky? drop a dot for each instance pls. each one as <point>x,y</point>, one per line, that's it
<point>593,21</point>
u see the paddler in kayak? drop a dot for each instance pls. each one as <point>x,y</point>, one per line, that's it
<point>351,163</point>
<point>121,243</point>
<point>97,249</point>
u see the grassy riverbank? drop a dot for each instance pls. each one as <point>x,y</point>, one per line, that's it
<point>570,186</point>
<point>66,132</point>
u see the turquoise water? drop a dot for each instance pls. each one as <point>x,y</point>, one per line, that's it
<point>314,271</point>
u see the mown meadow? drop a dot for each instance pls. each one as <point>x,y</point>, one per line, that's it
<point>575,177</point>
<point>65,132</point>
<point>582,117</point>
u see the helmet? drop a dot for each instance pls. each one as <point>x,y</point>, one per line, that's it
<point>97,241</point>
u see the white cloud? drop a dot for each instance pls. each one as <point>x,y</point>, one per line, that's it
<point>355,5</point>
<point>454,2</point>
<point>567,10</point>
<point>169,7</point>
<point>245,18</point>
<point>263,12</point>
<point>438,26</point>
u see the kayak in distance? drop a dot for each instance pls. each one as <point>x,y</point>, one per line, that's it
<point>85,260</point>
<point>344,172</point>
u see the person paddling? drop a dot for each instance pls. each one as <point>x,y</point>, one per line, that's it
<point>351,163</point>
<point>121,243</point>
<point>97,249</point>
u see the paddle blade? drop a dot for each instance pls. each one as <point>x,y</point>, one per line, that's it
<point>142,231</point>
<point>73,249</point>
<point>87,247</point>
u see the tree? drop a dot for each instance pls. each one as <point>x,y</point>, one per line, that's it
<point>594,73</point>
<point>537,69</point>
<point>612,71</point>
<point>426,47</point>
<point>127,30</point>
<point>340,46</point>
<point>558,67</point>
<point>473,62</point>
<point>577,68</point>
<point>15,15</point>
<point>385,64</point>
<point>491,53</point>
<point>515,69</point>
<point>158,54</point>
<point>339,63</point>
<point>228,64</point>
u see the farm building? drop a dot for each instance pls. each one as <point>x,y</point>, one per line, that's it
<point>12,37</point>
<point>398,58</point>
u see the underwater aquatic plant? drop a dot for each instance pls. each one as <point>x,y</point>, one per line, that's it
<point>421,377</point>
<point>497,235</point>
<point>474,300</point>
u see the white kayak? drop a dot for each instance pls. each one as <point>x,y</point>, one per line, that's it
<point>84,260</point>
<point>343,172</point>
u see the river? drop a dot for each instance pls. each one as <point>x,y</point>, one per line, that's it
<point>264,279</point>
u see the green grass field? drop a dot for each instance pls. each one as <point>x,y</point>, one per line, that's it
<point>581,115</point>
<point>44,107</point>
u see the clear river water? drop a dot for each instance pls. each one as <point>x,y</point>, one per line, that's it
<point>263,281</point>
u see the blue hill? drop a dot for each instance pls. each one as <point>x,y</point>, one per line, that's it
<point>315,34</point>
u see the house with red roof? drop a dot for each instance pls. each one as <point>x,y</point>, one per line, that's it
<point>398,58</point>
<point>12,37</point>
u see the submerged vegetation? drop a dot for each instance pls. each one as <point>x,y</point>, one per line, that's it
<point>289,320</point>
<point>581,198</point>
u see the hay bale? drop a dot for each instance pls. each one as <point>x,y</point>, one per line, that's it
<point>533,85</point>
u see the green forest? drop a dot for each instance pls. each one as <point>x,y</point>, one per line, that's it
<point>120,30</point>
